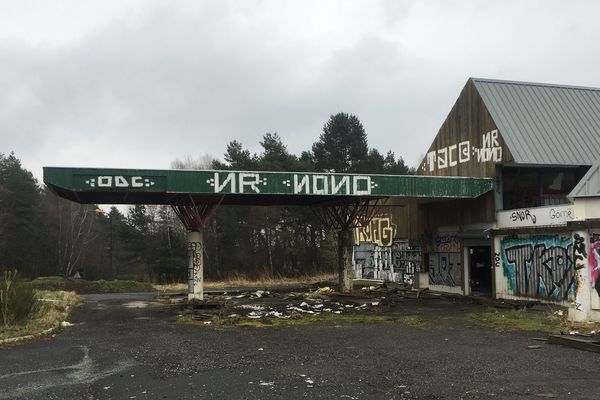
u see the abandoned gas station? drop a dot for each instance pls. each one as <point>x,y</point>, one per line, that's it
<point>505,203</point>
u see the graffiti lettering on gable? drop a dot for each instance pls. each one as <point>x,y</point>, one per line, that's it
<point>381,231</point>
<point>463,152</point>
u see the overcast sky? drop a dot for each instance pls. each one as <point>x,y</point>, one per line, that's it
<point>140,83</point>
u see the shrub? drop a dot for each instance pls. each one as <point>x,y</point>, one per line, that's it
<point>17,299</point>
<point>122,286</point>
<point>82,286</point>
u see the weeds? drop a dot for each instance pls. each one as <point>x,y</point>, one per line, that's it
<point>517,320</point>
<point>260,283</point>
<point>83,286</point>
<point>52,308</point>
<point>17,299</point>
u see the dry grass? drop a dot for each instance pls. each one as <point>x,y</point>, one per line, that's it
<point>510,320</point>
<point>253,284</point>
<point>53,308</point>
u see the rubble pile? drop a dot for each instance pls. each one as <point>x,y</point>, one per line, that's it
<point>264,304</point>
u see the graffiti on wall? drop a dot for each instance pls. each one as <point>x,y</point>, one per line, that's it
<point>379,255</point>
<point>396,263</point>
<point>540,266</point>
<point>447,244</point>
<point>444,269</point>
<point>380,231</point>
<point>463,152</point>
<point>195,250</point>
<point>594,260</point>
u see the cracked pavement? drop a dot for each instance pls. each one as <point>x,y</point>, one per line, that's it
<point>128,346</point>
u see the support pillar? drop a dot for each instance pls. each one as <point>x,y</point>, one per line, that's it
<point>195,266</point>
<point>345,259</point>
<point>194,214</point>
<point>581,309</point>
<point>344,216</point>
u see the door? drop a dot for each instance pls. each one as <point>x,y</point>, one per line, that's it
<point>480,268</point>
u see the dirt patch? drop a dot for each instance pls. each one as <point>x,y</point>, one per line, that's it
<point>369,304</point>
<point>273,308</point>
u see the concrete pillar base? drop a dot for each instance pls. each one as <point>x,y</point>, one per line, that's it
<point>195,296</point>
<point>196,266</point>
<point>345,260</point>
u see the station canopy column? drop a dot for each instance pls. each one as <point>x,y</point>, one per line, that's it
<point>344,216</point>
<point>194,215</point>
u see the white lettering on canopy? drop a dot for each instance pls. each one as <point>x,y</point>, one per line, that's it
<point>248,182</point>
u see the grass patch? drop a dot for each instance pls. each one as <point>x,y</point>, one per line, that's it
<point>258,283</point>
<point>53,307</point>
<point>512,320</point>
<point>328,319</point>
<point>83,286</point>
<point>123,286</point>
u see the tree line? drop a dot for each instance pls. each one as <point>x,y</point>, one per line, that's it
<point>42,234</point>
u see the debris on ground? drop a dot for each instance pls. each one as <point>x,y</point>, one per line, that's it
<point>266,305</point>
<point>577,341</point>
<point>286,304</point>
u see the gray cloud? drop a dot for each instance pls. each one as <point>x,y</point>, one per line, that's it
<point>139,84</point>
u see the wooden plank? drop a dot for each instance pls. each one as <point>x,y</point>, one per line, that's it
<point>575,342</point>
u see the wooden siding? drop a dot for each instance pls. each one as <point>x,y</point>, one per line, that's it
<point>468,121</point>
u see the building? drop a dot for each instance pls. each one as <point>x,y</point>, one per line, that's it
<point>533,236</point>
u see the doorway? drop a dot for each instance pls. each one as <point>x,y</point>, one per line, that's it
<point>480,269</point>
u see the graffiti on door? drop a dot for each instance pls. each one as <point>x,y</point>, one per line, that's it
<point>540,266</point>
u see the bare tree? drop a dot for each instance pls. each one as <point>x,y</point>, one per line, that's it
<point>188,162</point>
<point>75,233</point>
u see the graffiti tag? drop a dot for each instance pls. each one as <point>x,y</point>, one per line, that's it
<point>540,266</point>
<point>447,244</point>
<point>462,152</point>
<point>380,230</point>
<point>594,260</point>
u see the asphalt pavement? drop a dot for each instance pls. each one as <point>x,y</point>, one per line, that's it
<point>130,347</point>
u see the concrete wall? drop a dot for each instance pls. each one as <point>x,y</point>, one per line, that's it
<point>556,265</point>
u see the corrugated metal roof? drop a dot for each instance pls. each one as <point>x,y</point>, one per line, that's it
<point>545,124</point>
<point>589,185</point>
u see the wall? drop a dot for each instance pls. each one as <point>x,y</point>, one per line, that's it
<point>538,266</point>
<point>445,263</point>
<point>380,254</point>
<point>468,142</point>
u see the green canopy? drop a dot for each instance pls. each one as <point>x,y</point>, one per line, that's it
<point>149,186</point>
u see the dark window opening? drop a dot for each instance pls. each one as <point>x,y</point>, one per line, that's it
<point>536,187</point>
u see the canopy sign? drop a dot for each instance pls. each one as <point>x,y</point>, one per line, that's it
<point>83,183</point>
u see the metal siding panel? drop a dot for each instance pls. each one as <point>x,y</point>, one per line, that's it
<point>591,116</point>
<point>524,106</point>
<point>500,112</point>
<point>518,120</point>
<point>541,110</point>
<point>580,121</point>
<point>586,126</point>
<point>575,131</point>
<point>541,124</point>
<point>554,109</point>
<point>589,185</point>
